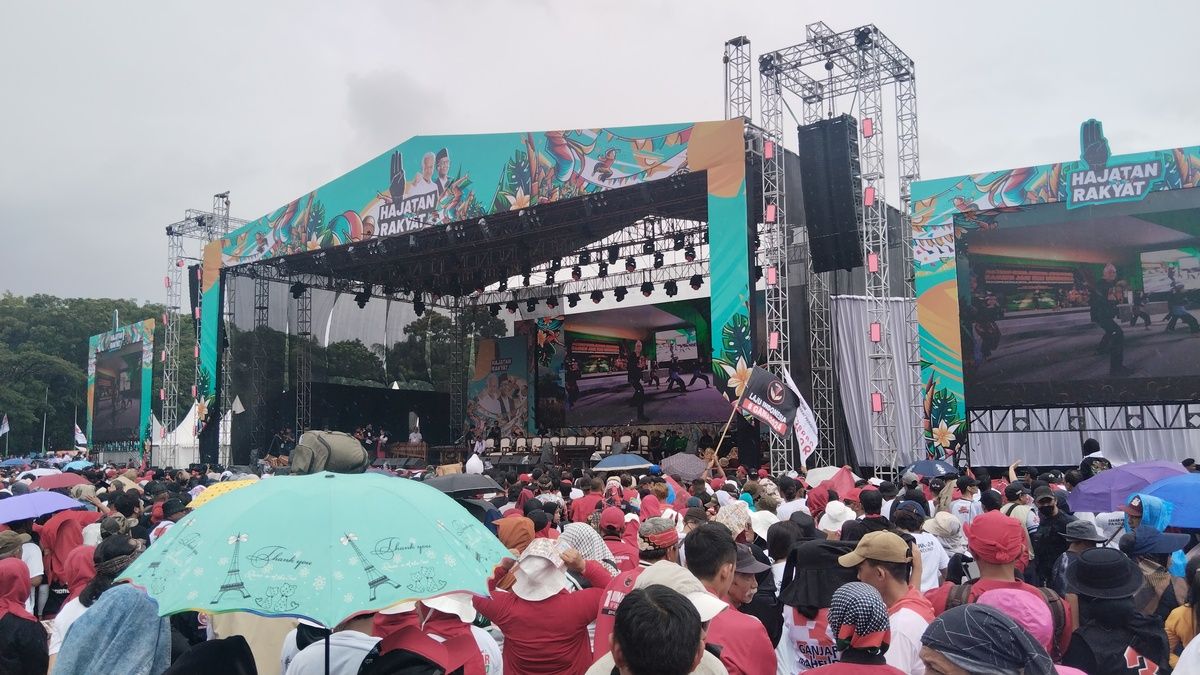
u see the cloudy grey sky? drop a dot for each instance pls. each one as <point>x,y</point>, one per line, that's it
<point>118,115</point>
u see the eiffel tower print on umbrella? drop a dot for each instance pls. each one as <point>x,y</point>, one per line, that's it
<point>376,577</point>
<point>233,577</point>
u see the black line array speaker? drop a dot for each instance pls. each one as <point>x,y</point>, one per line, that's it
<point>832,184</point>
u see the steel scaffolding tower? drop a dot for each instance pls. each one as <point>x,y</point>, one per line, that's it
<point>258,364</point>
<point>303,358</point>
<point>738,96</point>
<point>202,226</point>
<point>458,410</point>
<point>854,64</point>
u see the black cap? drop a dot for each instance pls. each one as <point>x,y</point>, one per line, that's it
<point>1042,493</point>
<point>173,506</point>
<point>1015,490</point>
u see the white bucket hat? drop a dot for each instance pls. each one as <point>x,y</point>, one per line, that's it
<point>836,515</point>
<point>539,571</point>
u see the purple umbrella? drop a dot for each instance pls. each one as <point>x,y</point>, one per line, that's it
<point>1108,490</point>
<point>33,505</point>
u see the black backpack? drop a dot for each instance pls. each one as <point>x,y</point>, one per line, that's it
<point>961,595</point>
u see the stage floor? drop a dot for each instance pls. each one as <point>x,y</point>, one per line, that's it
<point>608,400</point>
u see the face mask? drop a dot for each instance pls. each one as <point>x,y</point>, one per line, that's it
<point>1047,510</point>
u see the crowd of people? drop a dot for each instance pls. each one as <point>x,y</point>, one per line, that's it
<point>734,571</point>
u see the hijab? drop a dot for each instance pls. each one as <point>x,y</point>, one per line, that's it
<point>748,499</point>
<point>515,533</point>
<point>981,639</point>
<point>123,627</point>
<point>949,531</point>
<point>817,501</point>
<point>78,570</point>
<point>14,588</point>
<point>650,507</point>
<point>859,620</point>
<point>588,542</point>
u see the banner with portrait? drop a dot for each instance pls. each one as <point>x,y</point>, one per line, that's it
<point>499,393</point>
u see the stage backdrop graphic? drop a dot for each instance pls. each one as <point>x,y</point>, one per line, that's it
<point>1026,278</point>
<point>433,180</point>
<point>499,391</point>
<point>120,369</point>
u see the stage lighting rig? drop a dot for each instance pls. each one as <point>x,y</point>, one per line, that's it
<point>597,296</point>
<point>614,253</point>
<point>525,280</point>
<point>556,264</point>
<point>757,272</point>
<point>551,302</point>
<point>511,306</point>
<point>503,285</point>
<point>531,304</point>
<point>494,309</point>
<point>647,288</point>
<point>550,277</point>
<point>418,307</point>
<point>603,269</point>
<point>363,296</point>
<point>576,273</point>
<point>696,282</point>
<point>619,293</point>
<point>689,253</point>
<point>677,243</point>
<point>648,246</point>
<point>658,260</point>
<point>298,290</point>
<point>630,264</point>
<point>572,299</point>
<point>671,288</point>
<point>585,258</point>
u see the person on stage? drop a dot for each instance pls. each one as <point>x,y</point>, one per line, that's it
<point>700,372</point>
<point>1103,313</point>
<point>1177,310</point>
<point>673,376</point>
<point>635,379</point>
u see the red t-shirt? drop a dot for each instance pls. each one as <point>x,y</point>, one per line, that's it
<point>937,597</point>
<point>548,637</point>
<point>623,554</point>
<point>745,647</point>
<point>616,591</point>
<point>583,507</point>
<point>855,669</point>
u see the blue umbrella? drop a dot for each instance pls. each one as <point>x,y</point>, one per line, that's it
<point>33,505</point>
<point>625,462</point>
<point>15,461</point>
<point>1184,492</point>
<point>930,468</point>
<point>77,465</point>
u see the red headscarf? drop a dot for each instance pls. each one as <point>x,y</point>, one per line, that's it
<point>818,499</point>
<point>14,588</point>
<point>650,507</point>
<point>78,570</point>
<point>60,535</point>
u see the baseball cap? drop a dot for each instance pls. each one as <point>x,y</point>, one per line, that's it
<point>525,478</point>
<point>882,546</point>
<point>11,542</point>
<point>1134,507</point>
<point>696,513</point>
<point>747,563</point>
<point>672,575</point>
<point>1044,492</point>
<point>173,506</point>
<point>612,518</point>
<point>1015,490</point>
<point>763,473</point>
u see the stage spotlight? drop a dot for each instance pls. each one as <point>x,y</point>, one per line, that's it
<point>757,272</point>
<point>388,290</point>
<point>511,306</point>
<point>597,296</point>
<point>531,304</point>
<point>648,246</point>
<point>525,280</point>
<point>418,307</point>
<point>603,271</point>
<point>585,258</point>
<point>757,242</point>
<point>630,264</point>
<point>689,253</point>
<point>671,288</point>
<point>550,277</point>
<point>551,302</point>
<point>677,243</point>
<point>647,288</point>
<point>556,264</point>
<point>614,252</point>
<point>704,237</point>
<point>576,273</point>
<point>298,290</point>
<point>503,285</point>
<point>362,297</point>
<point>494,308</point>
<point>619,293</point>
<point>572,299</point>
<point>658,260</point>
<point>696,282</point>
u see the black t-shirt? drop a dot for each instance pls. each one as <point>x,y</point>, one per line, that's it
<point>1049,543</point>
<point>1125,650</point>
<point>24,647</point>
<point>857,529</point>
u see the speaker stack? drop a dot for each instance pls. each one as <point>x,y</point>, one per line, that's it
<point>831,181</point>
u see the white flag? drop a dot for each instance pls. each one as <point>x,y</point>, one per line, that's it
<point>4,426</point>
<point>80,439</point>
<point>805,423</point>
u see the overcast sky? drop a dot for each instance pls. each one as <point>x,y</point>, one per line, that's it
<point>118,116</point>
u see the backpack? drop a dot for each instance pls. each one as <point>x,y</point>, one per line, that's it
<point>960,594</point>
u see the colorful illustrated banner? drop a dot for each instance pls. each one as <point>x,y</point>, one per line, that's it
<point>946,210</point>
<point>550,349</point>
<point>120,370</point>
<point>434,180</point>
<point>498,392</point>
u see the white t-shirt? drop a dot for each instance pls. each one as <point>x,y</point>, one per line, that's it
<point>965,510</point>
<point>933,559</point>
<point>62,621</point>
<point>907,627</point>
<point>886,510</point>
<point>809,642</point>
<point>160,529</point>
<point>488,648</point>
<point>1106,524</point>
<point>31,555</point>
<point>786,509</point>
<point>347,649</point>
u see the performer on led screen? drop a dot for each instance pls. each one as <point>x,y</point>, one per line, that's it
<point>1177,309</point>
<point>1103,314</point>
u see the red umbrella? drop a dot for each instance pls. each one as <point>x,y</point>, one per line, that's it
<point>58,480</point>
<point>841,482</point>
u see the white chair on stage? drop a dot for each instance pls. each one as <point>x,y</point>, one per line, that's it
<point>605,443</point>
<point>489,445</point>
<point>505,446</point>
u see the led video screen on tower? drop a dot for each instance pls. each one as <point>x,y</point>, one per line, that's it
<point>1062,306</point>
<point>120,365</point>
<point>647,364</point>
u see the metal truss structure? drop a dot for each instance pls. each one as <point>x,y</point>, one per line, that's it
<point>202,226</point>
<point>1140,417</point>
<point>738,96</point>
<point>303,358</point>
<point>825,69</point>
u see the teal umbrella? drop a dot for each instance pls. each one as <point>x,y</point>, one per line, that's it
<point>322,547</point>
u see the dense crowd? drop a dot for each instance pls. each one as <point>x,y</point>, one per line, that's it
<point>732,571</point>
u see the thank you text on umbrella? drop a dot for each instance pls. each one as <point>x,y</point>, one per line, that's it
<point>270,555</point>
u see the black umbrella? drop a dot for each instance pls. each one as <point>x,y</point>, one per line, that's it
<point>464,484</point>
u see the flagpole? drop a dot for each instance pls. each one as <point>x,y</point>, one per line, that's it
<point>724,431</point>
<point>45,412</point>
